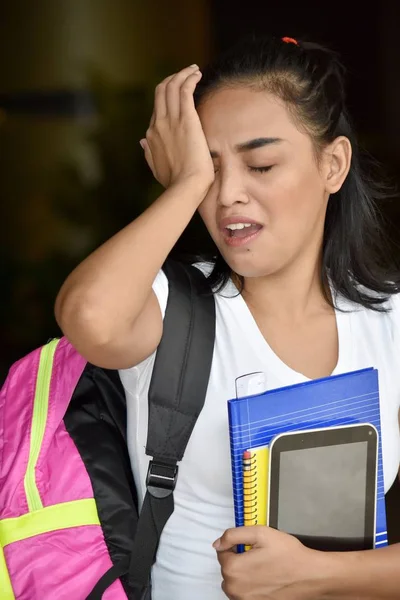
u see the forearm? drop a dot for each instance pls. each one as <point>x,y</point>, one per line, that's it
<point>112,285</point>
<point>368,575</point>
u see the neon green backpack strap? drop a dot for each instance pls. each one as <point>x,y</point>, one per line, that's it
<point>7,592</point>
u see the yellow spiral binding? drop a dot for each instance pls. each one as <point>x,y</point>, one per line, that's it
<point>250,504</point>
<point>255,486</point>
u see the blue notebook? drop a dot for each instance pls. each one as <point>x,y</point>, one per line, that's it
<point>324,447</point>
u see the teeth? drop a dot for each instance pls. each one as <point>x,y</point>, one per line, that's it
<point>238,226</point>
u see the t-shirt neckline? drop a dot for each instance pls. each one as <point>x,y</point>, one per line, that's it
<point>273,362</point>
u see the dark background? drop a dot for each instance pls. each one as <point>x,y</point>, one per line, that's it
<point>76,86</point>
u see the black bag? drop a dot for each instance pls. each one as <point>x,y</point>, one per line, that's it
<point>96,421</point>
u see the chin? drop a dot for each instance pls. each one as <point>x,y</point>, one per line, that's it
<point>248,266</point>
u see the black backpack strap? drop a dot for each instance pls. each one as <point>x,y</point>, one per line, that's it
<point>176,397</point>
<point>182,365</point>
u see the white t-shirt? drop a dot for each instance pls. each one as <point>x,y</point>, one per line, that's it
<point>186,565</point>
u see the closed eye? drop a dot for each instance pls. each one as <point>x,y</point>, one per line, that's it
<point>261,169</point>
<point>253,169</point>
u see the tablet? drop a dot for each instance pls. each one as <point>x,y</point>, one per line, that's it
<point>323,486</point>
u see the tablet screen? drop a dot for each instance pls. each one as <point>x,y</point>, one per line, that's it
<point>324,494</point>
<point>329,498</point>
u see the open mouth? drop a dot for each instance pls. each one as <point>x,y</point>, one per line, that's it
<point>242,230</point>
<point>237,234</point>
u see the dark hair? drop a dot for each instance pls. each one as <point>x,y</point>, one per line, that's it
<point>310,80</point>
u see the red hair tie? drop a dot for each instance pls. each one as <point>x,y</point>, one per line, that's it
<point>289,40</point>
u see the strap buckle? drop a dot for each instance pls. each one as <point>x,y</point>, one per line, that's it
<point>161,478</point>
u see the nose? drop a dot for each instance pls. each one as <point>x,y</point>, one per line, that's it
<point>231,188</point>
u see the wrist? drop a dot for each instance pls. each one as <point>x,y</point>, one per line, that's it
<point>344,575</point>
<point>194,186</point>
<point>329,571</point>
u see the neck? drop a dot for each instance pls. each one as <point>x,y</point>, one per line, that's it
<point>293,293</point>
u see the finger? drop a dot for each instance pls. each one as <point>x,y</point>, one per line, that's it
<point>173,91</point>
<point>187,93</point>
<point>225,557</point>
<point>160,104</point>
<point>256,536</point>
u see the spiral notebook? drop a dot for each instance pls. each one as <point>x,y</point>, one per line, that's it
<point>255,486</point>
<point>304,423</point>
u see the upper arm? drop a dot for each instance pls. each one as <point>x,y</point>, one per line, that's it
<point>141,340</point>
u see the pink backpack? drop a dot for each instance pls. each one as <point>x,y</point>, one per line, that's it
<point>51,541</point>
<point>68,506</point>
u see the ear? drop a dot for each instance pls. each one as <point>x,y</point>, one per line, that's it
<point>337,161</point>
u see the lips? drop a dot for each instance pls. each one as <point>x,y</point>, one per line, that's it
<point>239,230</point>
<point>234,220</point>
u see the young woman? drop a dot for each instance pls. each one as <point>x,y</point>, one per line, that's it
<point>260,144</point>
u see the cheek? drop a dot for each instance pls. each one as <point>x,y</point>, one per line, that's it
<point>296,195</point>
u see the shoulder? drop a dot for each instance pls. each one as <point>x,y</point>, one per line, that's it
<point>393,311</point>
<point>390,310</point>
<point>390,305</point>
<point>161,285</point>
<point>228,290</point>
<point>393,304</point>
<point>384,322</point>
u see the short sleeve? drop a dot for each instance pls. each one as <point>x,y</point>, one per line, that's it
<point>131,377</point>
<point>161,289</point>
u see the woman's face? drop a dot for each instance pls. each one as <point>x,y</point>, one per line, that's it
<point>267,179</point>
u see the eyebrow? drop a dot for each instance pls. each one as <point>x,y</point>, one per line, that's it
<point>252,145</point>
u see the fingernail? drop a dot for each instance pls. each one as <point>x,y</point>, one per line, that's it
<point>217,544</point>
<point>142,143</point>
<point>194,66</point>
